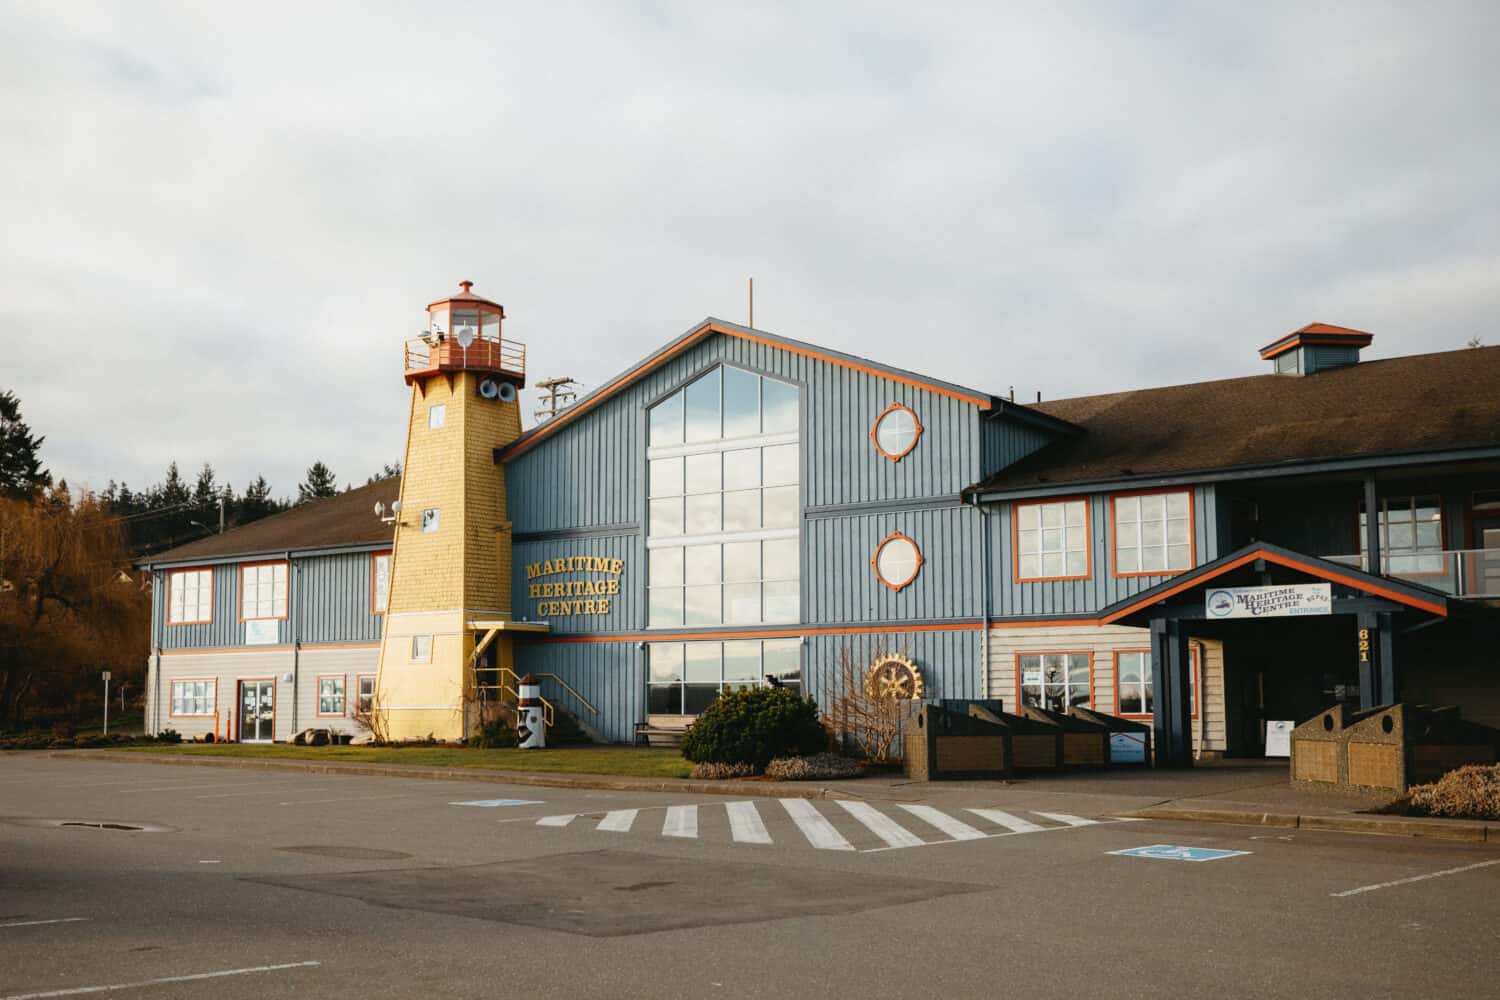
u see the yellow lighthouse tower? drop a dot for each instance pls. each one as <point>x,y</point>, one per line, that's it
<point>450,567</point>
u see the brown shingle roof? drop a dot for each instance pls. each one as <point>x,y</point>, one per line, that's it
<point>346,519</point>
<point>1426,401</point>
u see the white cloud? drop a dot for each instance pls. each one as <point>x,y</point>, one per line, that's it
<point>220,223</point>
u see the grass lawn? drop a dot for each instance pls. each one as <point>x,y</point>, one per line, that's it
<point>629,761</point>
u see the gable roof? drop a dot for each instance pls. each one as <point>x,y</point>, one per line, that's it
<point>1424,402</point>
<point>347,519</point>
<point>712,326</point>
<point>1402,592</point>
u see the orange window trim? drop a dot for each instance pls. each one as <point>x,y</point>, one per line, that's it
<point>1053,652</point>
<point>916,421</point>
<point>708,329</point>
<point>1088,540</point>
<point>318,697</point>
<point>772,633</point>
<point>167,603</point>
<point>1192,532</point>
<point>239,584</point>
<point>374,556</point>
<point>1197,682</point>
<point>875,562</point>
<point>192,715</point>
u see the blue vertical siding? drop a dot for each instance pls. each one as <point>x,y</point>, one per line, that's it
<point>1005,442</point>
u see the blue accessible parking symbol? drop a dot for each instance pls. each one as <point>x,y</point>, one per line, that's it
<point>1169,852</point>
<point>496,803</point>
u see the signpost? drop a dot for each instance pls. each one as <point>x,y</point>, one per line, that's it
<point>106,703</point>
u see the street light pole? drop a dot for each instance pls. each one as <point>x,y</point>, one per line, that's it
<point>106,703</point>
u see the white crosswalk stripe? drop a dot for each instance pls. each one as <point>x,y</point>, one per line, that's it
<point>819,832</point>
<point>1069,820</point>
<point>618,821</point>
<point>681,821</point>
<point>745,823</point>
<point>955,828</point>
<point>881,825</point>
<point>865,826</point>
<point>1014,824</point>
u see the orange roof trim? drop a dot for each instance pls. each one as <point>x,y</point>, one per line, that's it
<point>1317,333</point>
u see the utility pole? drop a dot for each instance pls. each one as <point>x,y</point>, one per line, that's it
<point>556,394</point>
<point>106,703</point>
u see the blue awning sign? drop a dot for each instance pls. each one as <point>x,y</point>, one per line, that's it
<point>1169,852</point>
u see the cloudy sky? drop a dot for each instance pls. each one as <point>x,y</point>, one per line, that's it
<point>218,222</point>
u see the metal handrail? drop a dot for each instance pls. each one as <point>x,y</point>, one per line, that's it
<point>1460,572</point>
<point>483,353</point>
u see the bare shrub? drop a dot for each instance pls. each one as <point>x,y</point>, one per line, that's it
<point>865,715</point>
<point>375,719</point>
<point>713,771</point>
<point>1471,792</point>
<point>818,767</point>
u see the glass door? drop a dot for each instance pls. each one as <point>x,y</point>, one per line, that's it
<point>257,711</point>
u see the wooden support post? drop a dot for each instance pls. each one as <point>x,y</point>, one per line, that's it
<point>1171,683</point>
<point>1388,681</point>
<point>1367,655</point>
<point>1372,527</point>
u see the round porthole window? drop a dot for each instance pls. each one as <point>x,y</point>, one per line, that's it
<point>896,431</point>
<point>896,561</point>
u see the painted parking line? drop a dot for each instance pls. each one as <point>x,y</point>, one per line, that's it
<point>38,923</point>
<point>819,832</point>
<point>618,821</point>
<point>955,828</point>
<point>680,821</point>
<point>745,824</point>
<point>557,820</point>
<point>881,825</point>
<point>192,978</point>
<point>1415,878</point>
<point>1014,824</point>
<point>1067,820</point>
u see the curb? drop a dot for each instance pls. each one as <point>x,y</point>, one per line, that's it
<point>748,789</point>
<point>1390,826</point>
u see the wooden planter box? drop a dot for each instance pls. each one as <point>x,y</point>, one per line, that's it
<point>946,744</point>
<point>1388,748</point>
<point>1084,743</point>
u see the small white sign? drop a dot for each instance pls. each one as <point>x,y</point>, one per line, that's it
<point>1269,602</point>
<point>262,632</point>
<point>1031,678</point>
<point>1279,738</point>
<point>1127,748</point>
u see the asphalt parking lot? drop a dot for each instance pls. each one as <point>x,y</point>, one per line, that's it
<point>269,884</point>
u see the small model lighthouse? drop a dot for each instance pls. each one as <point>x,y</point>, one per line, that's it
<point>450,567</point>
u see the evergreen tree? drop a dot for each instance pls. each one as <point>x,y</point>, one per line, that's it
<point>320,482</point>
<point>256,503</point>
<point>173,492</point>
<point>391,469</point>
<point>21,472</point>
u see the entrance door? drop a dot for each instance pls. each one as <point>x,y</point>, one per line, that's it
<point>1484,576</point>
<point>257,711</point>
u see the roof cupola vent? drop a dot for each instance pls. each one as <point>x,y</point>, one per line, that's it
<point>1314,348</point>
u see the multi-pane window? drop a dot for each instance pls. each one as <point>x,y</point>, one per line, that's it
<point>895,432</point>
<point>685,677</point>
<point>1052,540</point>
<point>190,596</point>
<point>1133,682</point>
<point>1054,681</point>
<point>1153,533</point>
<point>437,415</point>
<point>193,697</point>
<point>263,591</point>
<point>331,695</point>
<point>421,648</point>
<point>724,502</point>
<point>380,582</point>
<point>1411,535</point>
<point>364,697</point>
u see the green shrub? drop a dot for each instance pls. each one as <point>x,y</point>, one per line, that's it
<point>169,736</point>
<point>494,735</point>
<point>754,725</point>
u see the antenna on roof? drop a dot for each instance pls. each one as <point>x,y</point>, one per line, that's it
<point>1012,394</point>
<point>751,324</point>
<point>1039,395</point>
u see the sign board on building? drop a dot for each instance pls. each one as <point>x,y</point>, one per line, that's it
<point>1127,748</point>
<point>1031,678</point>
<point>1279,738</point>
<point>595,596</point>
<point>1269,602</point>
<point>262,632</point>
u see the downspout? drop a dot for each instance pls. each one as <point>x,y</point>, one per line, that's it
<point>1202,692</point>
<point>984,600</point>
<point>294,595</point>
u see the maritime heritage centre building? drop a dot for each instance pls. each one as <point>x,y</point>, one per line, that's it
<point>741,506</point>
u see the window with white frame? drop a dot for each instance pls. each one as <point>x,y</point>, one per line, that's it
<point>1054,681</point>
<point>430,519</point>
<point>190,596</point>
<point>1411,535</point>
<point>380,582</point>
<point>1153,533</point>
<point>724,509</point>
<point>684,678</point>
<point>1133,682</point>
<point>364,695</point>
<point>421,648</point>
<point>437,415</point>
<point>263,591</point>
<point>193,697</point>
<point>1052,540</point>
<point>331,695</point>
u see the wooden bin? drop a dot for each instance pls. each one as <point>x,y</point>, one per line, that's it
<point>1084,743</point>
<point>1388,748</point>
<point>1129,739</point>
<point>1036,744</point>
<point>945,744</point>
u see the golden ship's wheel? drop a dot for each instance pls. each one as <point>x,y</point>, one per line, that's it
<point>894,677</point>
